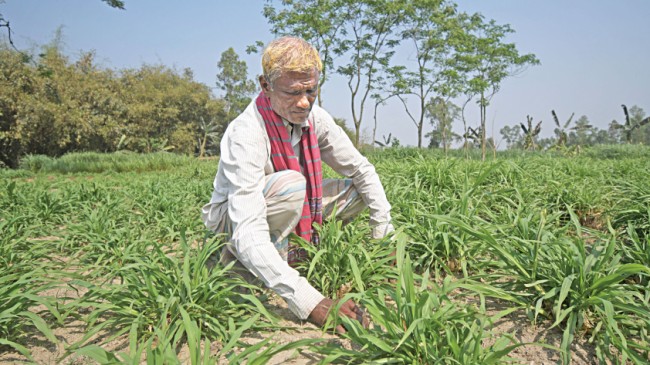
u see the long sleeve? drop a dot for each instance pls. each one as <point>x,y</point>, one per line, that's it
<point>339,153</point>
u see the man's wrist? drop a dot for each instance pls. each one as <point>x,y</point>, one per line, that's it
<point>305,299</point>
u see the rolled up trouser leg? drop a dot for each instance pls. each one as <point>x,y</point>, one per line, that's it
<point>340,196</point>
<point>284,194</point>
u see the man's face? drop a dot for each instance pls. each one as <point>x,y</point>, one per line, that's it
<point>292,94</point>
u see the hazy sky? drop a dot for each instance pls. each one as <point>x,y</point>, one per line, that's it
<point>595,54</point>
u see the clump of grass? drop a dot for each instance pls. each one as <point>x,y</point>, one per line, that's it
<point>167,300</point>
<point>581,286</point>
<point>417,323</point>
<point>93,162</point>
<point>346,260</point>
<point>22,280</point>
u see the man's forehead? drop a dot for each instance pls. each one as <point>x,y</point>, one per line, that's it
<point>295,78</point>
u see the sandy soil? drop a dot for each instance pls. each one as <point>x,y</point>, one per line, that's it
<point>516,324</point>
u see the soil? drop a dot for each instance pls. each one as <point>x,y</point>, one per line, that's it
<point>515,324</point>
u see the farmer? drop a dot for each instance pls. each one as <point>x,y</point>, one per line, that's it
<point>269,182</point>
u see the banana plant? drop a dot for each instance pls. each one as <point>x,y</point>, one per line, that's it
<point>387,140</point>
<point>628,128</point>
<point>560,131</point>
<point>530,133</point>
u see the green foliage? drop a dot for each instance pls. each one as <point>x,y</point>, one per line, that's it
<point>530,133</point>
<point>360,33</point>
<point>178,296</point>
<point>442,114</point>
<point>485,60</point>
<point>433,29</point>
<point>119,4</point>
<point>128,239</point>
<point>50,105</point>
<point>415,322</point>
<point>22,285</point>
<point>344,261</point>
<point>319,22</point>
<point>92,162</point>
<point>233,80</point>
<point>637,121</point>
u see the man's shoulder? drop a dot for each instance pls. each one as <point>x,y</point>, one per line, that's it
<point>248,123</point>
<point>322,118</point>
<point>319,112</point>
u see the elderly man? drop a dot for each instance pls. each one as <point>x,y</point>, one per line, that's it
<point>269,181</point>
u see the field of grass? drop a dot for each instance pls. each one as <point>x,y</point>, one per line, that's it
<point>103,260</point>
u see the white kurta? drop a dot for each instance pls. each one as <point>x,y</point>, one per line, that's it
<point>245,160</point>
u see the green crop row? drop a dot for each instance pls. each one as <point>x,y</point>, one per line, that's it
<point>563,239</point>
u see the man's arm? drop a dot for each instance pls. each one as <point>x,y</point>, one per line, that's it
<point>339,153</point>
<point>244,155</point>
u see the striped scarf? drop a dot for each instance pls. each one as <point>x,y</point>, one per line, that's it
<point>308,163</point>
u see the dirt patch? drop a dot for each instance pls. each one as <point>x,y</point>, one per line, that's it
<point>517,324</point>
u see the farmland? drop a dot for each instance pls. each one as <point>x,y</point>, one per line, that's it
<point>103,260</point>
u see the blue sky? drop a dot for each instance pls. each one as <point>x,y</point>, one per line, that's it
<point>594,54</point>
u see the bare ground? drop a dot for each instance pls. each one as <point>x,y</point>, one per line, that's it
<point>516,324</point>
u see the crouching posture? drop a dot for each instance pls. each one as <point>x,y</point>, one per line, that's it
<point>269,182</point>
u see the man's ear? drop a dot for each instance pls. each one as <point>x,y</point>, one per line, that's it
<point>264,84</point>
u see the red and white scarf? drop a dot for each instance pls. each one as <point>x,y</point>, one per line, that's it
<point>308,163</point>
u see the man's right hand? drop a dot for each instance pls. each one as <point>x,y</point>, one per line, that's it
<point>350,309</point>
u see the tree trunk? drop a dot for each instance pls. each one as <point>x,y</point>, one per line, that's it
<point>483,140</point>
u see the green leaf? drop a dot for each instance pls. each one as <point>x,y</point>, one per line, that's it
<point>98,354</point>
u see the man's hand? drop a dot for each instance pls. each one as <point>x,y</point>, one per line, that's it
<point>349,309</point>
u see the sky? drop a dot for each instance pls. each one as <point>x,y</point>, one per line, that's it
<point>595,54</point>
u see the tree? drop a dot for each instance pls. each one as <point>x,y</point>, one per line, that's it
<point>442,114</point>
<point>486,60</point>
<point>631,124</point>
<point>119,4</point>
<point>211,132</point>
<point>560,131</point>
<point>18,81</point>
<point>530,133</point>
<point>233,79</point>
<point>369,50</point>
<point>52,105</point>
<point>432,27</point>
<point>359,33</point>
<point>512,136</point>
<point>319,22</point>
<point>386,140</point>
<point>581,132</point>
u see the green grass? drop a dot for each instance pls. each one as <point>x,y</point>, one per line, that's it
<point>563,238</point>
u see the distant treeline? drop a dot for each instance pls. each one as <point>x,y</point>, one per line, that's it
<point>51,105</point>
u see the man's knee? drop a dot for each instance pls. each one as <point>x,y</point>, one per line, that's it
<point>288,186</point>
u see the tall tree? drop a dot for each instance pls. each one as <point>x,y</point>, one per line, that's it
<point>232,78</point>
<point>358,34</point>
<point>487,60</point>
<point>320,22</point>
<point>431,27</point>
<point>512,136</point>
<point>368,50</point>
<point>442,114</point>
<point>581,132</point>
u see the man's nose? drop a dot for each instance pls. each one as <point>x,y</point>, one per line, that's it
<point>303,102</point>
